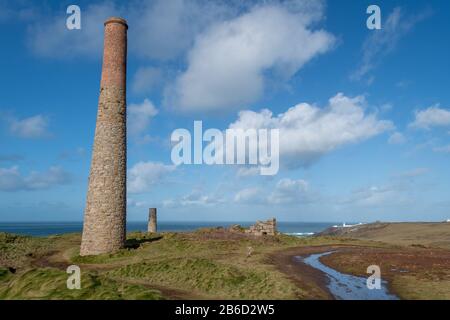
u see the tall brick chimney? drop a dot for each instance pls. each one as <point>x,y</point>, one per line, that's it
<point>104,228</point>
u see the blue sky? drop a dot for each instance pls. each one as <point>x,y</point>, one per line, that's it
<point>364,115</point>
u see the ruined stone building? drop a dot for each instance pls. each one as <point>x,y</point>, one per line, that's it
<point>104,228</point>
<point>261,228</point>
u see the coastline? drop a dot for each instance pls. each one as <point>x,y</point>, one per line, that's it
<point>57,228</point>
<point>215,263</point>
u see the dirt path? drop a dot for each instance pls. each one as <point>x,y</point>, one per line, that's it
<point>61,260</point>
<point>311,281</point>
<point>424,264</point>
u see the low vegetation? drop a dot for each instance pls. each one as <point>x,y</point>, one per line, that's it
<point>211,263</point>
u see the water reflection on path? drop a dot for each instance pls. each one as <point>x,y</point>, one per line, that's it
<point>347,287</point>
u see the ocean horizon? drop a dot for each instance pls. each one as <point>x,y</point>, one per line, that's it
<point>53,228</point>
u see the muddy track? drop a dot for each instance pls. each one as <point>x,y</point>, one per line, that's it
<point>310,280</point>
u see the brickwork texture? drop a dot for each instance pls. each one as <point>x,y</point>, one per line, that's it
<point>104,227</point>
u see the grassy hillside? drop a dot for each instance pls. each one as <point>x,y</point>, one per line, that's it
<point>216,263</point>
<point>210,263</point>
<point>430,234</point>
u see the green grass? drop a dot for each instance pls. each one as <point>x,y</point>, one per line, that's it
<point>430,289</point>
<point>214,268</point>
<point>210,278</point>
<point>16,251</point>
<point>49,283</point>
<point>153,266</point>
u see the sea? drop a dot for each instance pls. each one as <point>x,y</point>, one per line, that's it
<point>52,228</point>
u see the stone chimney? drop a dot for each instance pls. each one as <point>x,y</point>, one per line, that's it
<point>104,228</point>
<point>152,226</point>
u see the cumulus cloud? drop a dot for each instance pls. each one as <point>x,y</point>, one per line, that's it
<point>166,29</point>
<point>397,138</point>
<point>376,196</point>
<point>49,37</point>
<point>162,30</point>
<point>194,198</point>
<point>307,132</point>
<point>289,191</point>
<point>144,175</point>
<point>250,195</point>
<point>146,79</point>
<point>433,116</point>
<point>286,191</point>
<point>12,180</point>
<point>230,47</point>
<point>139,116</point>
<point>30,128</point>
<point>382,42</point>
<point>228,63</point>
<point>132,203</point>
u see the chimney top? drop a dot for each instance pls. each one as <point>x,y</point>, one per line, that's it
<point>116,20</point>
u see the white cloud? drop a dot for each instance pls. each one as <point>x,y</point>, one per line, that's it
<point>16,11</point>
<point>144,175</point>
<point>307,132</point>
<point>161,29</point>
<point>249,195</point>
<point>403,188</point>
<point>271,36</point>
<point>397,138</point>
<point>413,173</point>
<point>376,196</point>
<point>380,43</point>
<point>433,116</point>
<point>139,116</point>
<point>228,63</point>
<point>146,79</point>
<point>248,171</point>
<point>135,204</point>
<point>49,36</point>
<point>289,191</point>
<point>12,180</point>
<point>445,149</point>
<point>31,128</point>
<point>195,198</point>
<point>166,29</point>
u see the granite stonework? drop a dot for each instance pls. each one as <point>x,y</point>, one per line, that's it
<point>261,228</point>
<point>152,222</point>
<point>104,228</point>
